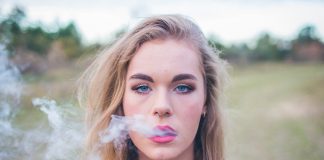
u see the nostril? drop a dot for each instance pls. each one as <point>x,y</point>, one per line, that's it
<point>162,114</point>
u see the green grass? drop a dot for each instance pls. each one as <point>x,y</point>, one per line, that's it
<point>56,84</point>
<point>275,112</point>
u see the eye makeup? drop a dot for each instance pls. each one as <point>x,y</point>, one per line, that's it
<point>141,89</point>
<point>184,88</point>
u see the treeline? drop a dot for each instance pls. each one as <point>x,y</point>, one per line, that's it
<point>65,43</point>
<point>19,34</point>
<point>36,48</point>
<point>307,46</point>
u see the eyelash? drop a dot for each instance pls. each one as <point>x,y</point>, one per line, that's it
<point>189,89</point>
<point>137,87</point>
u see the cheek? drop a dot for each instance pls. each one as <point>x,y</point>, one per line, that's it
<point>190,106</point>
<point>189,110</point>
<point>191,114</point>
<point>129,104</point>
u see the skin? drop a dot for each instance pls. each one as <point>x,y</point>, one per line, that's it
<point>164,78</point>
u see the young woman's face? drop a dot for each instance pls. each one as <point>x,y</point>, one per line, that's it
<point>165,83</point>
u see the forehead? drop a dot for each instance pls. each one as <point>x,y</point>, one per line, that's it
<point>171,56</point>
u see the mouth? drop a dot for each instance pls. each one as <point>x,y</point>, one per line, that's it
<point>166,134</point>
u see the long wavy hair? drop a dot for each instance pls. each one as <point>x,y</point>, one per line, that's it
<point>102,86</point>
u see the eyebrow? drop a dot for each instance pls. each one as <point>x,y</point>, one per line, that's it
<point>180,77</point>
<point>176,78</point>
<point>142,77</point>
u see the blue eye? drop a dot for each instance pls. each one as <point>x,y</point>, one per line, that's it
<point>183,88</point>
<point>142,89</point>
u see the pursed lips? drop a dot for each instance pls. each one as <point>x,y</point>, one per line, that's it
<point>166,134</point>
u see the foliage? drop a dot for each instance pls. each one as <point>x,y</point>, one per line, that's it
<point>71,40</point>
<point>11,30</point>
<point>35,38</point>
<point>307,34</point>
<point>267,47</point>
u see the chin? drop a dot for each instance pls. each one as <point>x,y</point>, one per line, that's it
<point>160,153</point>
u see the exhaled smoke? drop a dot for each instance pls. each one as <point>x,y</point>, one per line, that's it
<point>64,141</point>
<point>10,86</point>
<point>61,139</point>
<point>120,126</point>
<point>10,91</point>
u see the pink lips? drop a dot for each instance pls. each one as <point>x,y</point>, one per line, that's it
<point>169,134</point>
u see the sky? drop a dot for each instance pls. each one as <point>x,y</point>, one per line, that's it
<point>231,21</point>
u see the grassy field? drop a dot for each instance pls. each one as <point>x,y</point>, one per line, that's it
<point>274,111</point>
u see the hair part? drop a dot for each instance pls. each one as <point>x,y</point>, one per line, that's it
<point>102,85</point>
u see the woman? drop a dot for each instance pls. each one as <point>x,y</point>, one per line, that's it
<point>163,69</point>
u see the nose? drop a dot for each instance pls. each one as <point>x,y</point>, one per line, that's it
<point>162,106</point>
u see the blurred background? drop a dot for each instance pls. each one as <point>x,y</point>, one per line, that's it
<point>275,99</point>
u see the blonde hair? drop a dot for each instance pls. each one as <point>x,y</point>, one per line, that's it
<point>102,85</point>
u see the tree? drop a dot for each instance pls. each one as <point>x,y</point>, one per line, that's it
<point>11,28</point>
<point>266,48</point>
<point>307,34</point>
<point>307,45</point>
<point>70,39</point>
<point>37,40</point>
